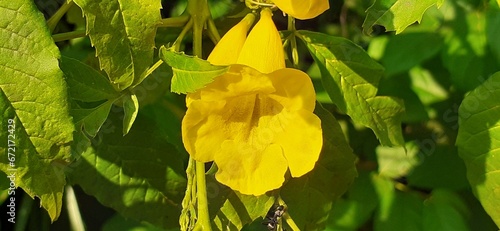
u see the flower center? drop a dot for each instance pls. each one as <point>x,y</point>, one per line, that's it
<point>257,117</point>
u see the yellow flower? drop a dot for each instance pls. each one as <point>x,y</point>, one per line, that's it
<point>303,9</point>
<point>226,52</point>
<point>255,121</point>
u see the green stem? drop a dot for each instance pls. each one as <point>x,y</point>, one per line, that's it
<point>68,35</point>
<point>52,22</point>
<point>152,69</point>
<point>290,222</point>
<point>24,213</point>
<point>293,42</point>
<point>75,218</point>
<point>197,39</point>
<point>198,9</point>
<point>174,21</point>
<point>212,30</point>
<point>203,222</point>
<point>187,218</point>
<point>178,41</point>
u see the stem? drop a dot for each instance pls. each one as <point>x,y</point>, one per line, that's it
<point>212,31</point>
<point>343,20</point>
<point>293,42</point>
<point>68,35</point>
<point>198,9</point>
<point>178,41</point>
<point>52,22</point>
<point>201,191</point>
<point>151,69</point>
<point>175,21</point>
<point>290,222</point>
<point>75,218</point>
<point>197,39</point>
<point>24,213</point>
<point>187,219</point>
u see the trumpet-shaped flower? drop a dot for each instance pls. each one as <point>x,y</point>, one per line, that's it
<point>255,121</point>
<point>303,9</point>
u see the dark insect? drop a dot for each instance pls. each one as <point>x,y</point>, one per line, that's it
<point>273,216</point>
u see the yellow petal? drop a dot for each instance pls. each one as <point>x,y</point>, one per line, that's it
<point>294,89</point>
<point>249,171</point>
<point>263,49</point>
<point>201,133</point>
<point>252,119</point>
<point>239,80</point>
<point>228,49</point>
<point>301,142</point>
<point>303,9</point>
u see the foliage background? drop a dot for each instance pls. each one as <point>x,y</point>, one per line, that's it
<point>424,186</point>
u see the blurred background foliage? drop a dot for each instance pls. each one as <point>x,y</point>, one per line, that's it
<point>430,66</point>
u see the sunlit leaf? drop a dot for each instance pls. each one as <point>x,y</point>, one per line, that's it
<point>396,15</point>
<point>190,73</point>
<point>351,77</point>
<point>33,94</point>
<point>123,34</point>
<point>130,109</point>
<point>478,143</point>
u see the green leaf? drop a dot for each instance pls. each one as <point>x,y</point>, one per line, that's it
<point>118,222</point>
<point>400,86</point>
<point>351,77</point>
<point>310,198</point>
<point>440,167</point>
<point>190,73</point>
<point>396,15</point>
<point>465,52</point>
<point>85,83</point>
<point>356,207</point>
<point>139,175</point>
<point>130,109</point>
<point>396,209</point>
<point>169,118</point>
<point>92,119</point>
<point>492,23</point>
<point>231,210</point>
<point>442,210</point>
<point>426,86</point>
<point>400,53</point>
<point>478,143</point>
<point>397,162</point>
<point>445,211</point>
<point>123,34</point>
<point>33,93</point>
